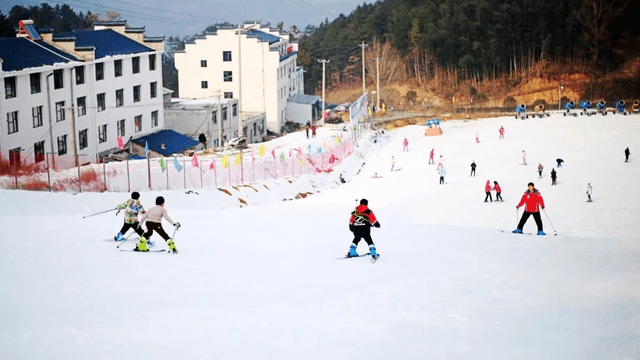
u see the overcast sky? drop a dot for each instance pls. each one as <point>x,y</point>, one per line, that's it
<point>171,17</point>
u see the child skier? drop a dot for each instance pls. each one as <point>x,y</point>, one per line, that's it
<point>442,172</point>
<point>532,201</point>
<point>626,154</point>
<point>154,223</point>
<point>131,210</point>
<point>431,155</point>
<point>501,131</point>
<point>487,190</point>
<point>360,225</point>
<point>524,158</point>
<point>540,167</point>
<point>393,162</point>
<point>589,191</point>
<point>498,190</point>
<point>473,169</point>
<point>554,176</point>
<point>405,144</point>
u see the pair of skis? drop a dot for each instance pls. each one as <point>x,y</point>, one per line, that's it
<point>373,259</point>
<point>526,233</point>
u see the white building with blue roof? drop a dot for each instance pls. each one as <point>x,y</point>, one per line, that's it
<point>210,65</point>
<point>77,92</point>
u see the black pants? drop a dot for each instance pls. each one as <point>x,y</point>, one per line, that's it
<point>157,227</point>
<point>498,197</point>
<point>473,172</point>
<point>359,235</point>
<point>525,217</point>
<point>626,158</point>
<point>135,226</point>
<point>441,179</point>
<point>488,196</point>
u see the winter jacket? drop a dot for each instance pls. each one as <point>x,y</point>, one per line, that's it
<point>532,201</point>
<point>362,219</point>
<point>131,210</point>
<point>473,166</point>
<point>442,172</point>
<point>487,188</point>
<point>540,168</point>
<point>553,174</point>
<point>497,188</point>
<point>155,214</point>
<point>589,190</point>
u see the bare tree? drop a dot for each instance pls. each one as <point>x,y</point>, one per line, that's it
<point>595,17</point>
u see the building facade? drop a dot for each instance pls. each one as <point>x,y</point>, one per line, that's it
<point>98,85</point>
<point>212,65</point>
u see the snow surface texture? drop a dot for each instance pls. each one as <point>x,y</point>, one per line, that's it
<point>262,281</point>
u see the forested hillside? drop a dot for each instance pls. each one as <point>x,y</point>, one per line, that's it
<point>478,39</point>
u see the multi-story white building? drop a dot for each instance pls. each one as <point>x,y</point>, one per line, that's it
<point>77,92</point>
<point>212,64</point>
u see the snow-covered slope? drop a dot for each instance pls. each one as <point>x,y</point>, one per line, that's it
<point>262,281</point>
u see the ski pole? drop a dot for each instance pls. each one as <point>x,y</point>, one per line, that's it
<point>98,213</point>
<point>550,223</point>
<point>125,239</point>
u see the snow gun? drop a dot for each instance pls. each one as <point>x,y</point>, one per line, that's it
<point>585,107</point>
<point>601,109</point>
<point>540,111</point>
<point>636,107</point>
<point>620,107</point>
<point>521,112</point>
<point>569,106</point>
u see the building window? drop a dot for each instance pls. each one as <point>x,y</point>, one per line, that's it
<point>83,139</point>
<point>38,151</point>
<point>214,117</point>
<point>60,115</point>
<point>136,93</point>
<point>226,56</point>
<point>9,87</point>
<point>135,64</point>
<point>120,127</point>
<point>35,83</point>
<point>228,76</point>
<point>117,68</point>
<point>101,102</point>
<point>154,118</point>
<point>14,157</point>
<point>224,113</point>
<point>12,122</point>
<point>58,79</point>
<point>82,105</point>
<point>102,133</point>
<point>152,62</point>
<point>204,84</point>
<point>203,63</point>
<point>154,89</point>
<point>119,97</point>
<point>228,95</point>
<point>62,145</point>
<point>36,113</point>
<point>234,110</point>
<point>99,71</point>
<point>79,75</point>
<point>137,122</point>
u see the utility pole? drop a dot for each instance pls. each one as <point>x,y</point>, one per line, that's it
<point>219,119</point>
<point>324,62</point>
<point>53,156</point>
<point>72,124</point>
<point>240,79</point>
<point>560,87</point>
<point>364,88</point>
<point>377,82</point>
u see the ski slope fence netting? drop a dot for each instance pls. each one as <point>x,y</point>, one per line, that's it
<point>185,172</point>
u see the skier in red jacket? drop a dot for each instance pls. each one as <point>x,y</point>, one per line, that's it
<point>532,201</point>
<point>498,190</point>
<point>487,191</point>
<point>360,224</point>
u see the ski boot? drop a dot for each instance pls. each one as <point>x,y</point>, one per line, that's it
<point>517,231</point>
<point>352,251</point>
<point>372,251</point>
<point>541,232</point>
<point>118,237</point>
<point>172,246</point>
<point>150,243</point>
<point>142,245</point>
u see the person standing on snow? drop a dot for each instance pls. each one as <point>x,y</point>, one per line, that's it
<point>487,190</point>
<point>589,191</point>
<point>431,155</point>
<point>440,162</point>
<point>540,167</point>
<point>524,158</point>
<point>442,172</point>
<point>532,201</point>
<point>496,187</point>
<point>154,223</point>
<point>132,208</point>
<point>307,129</point>
<point>473,169</point>
<point>393,162</point>
<point>313,130</point>
<point>360,223</point>
<point>626,154</point>
<point>501,132</point>
<point>477,137</point>
<point>406,145</point>
<point>554,176</point>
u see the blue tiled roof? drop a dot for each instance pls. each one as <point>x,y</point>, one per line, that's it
<point>107,42</point>
<point>20,53</point>
<point>174,142</point>
<point>263,36</point>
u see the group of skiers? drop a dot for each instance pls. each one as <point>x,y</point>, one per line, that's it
<point>132,208</point>
<point>488,189</point>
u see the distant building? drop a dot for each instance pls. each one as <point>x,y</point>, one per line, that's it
<point>76,92</point>
<point>216,120</point>
<point>304,108</point>
<point>210,66</point>
<point>165,142</point>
